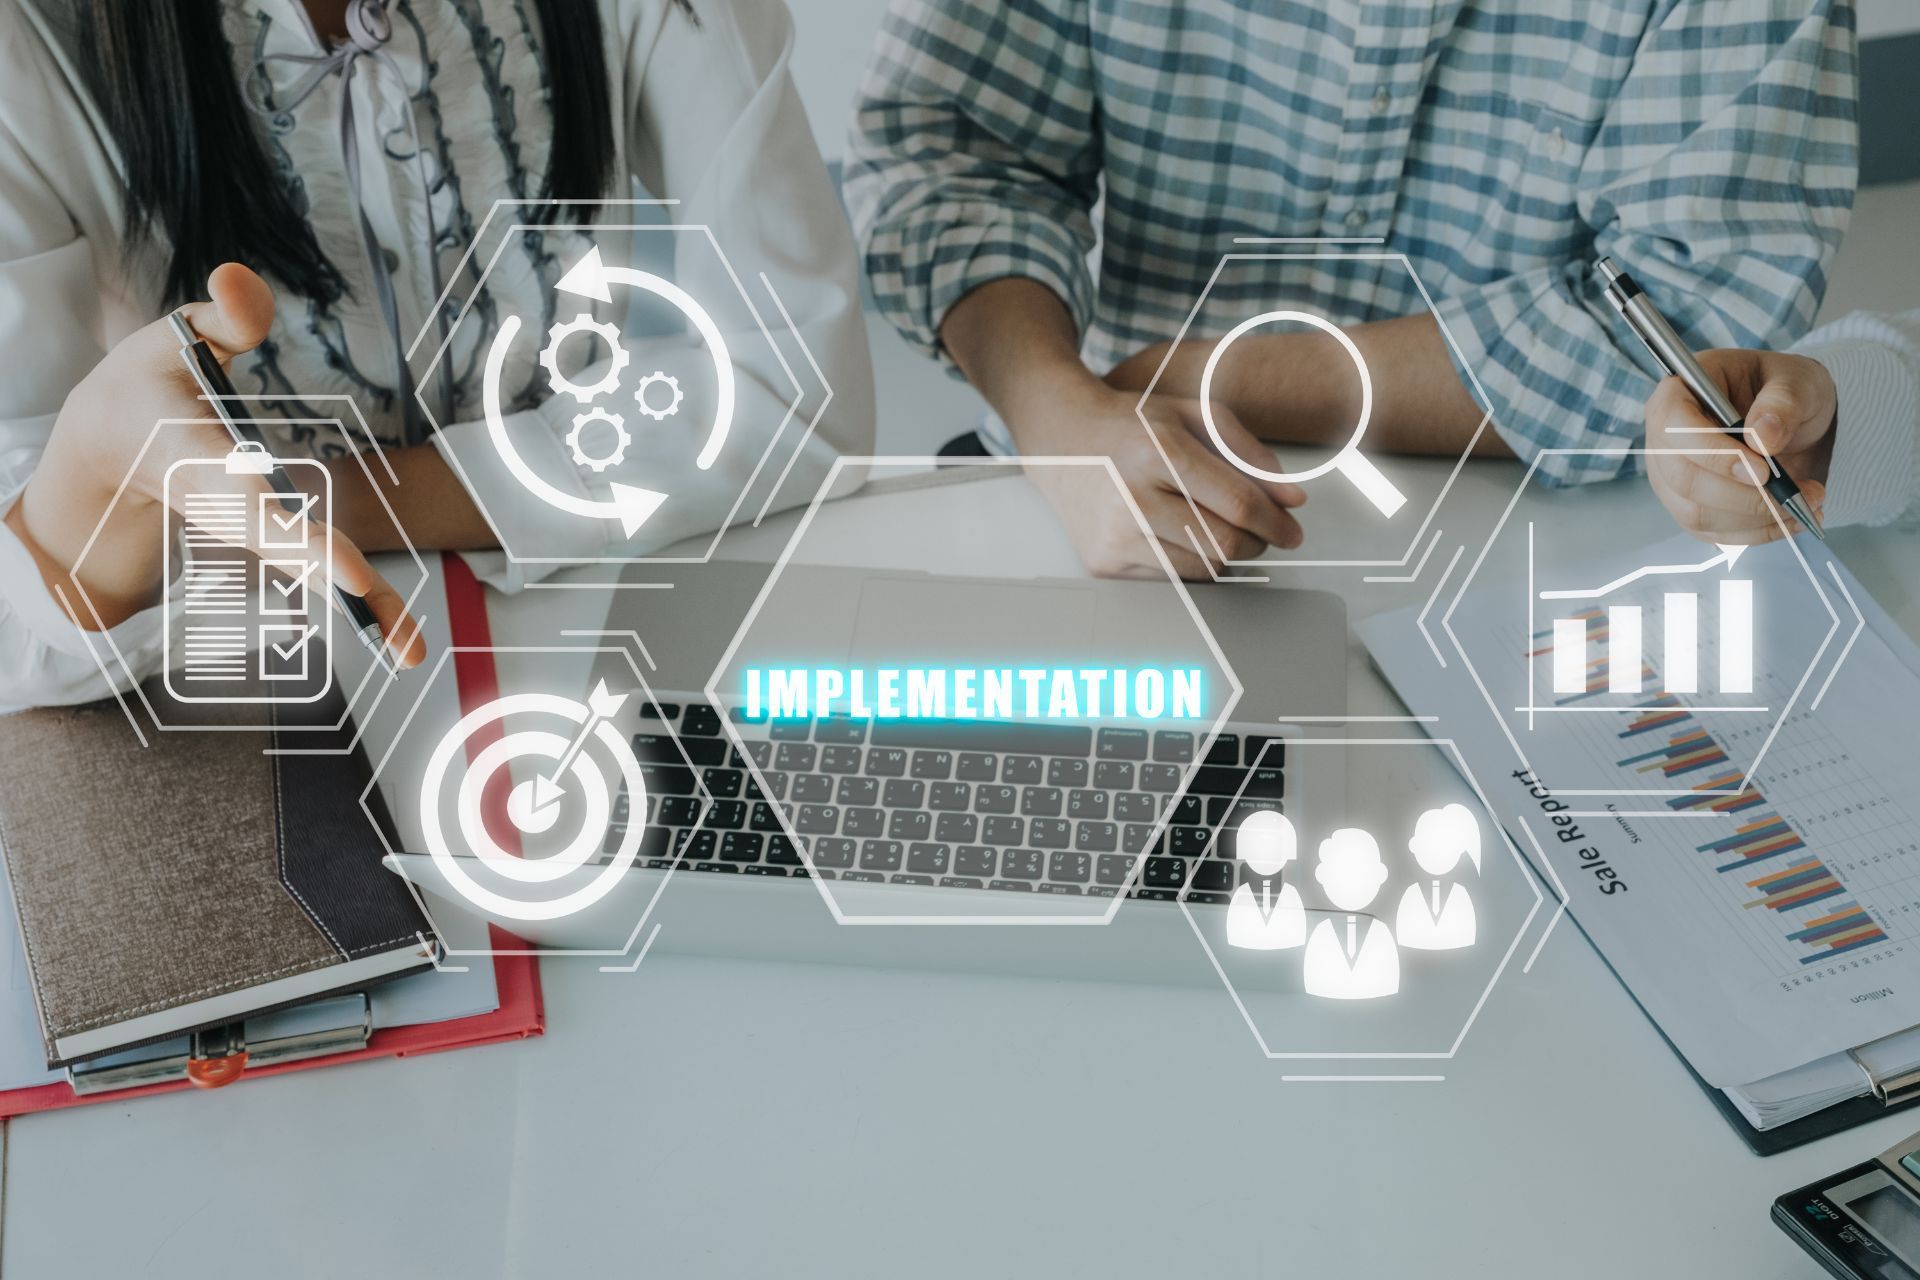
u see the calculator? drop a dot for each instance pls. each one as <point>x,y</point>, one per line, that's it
<point>1862,1222</point>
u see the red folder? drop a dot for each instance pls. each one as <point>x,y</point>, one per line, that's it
<point>521,1013</point>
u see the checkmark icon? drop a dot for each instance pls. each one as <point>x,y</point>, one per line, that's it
<point>281,528</point>
<point>283,585</point>
<point>284,650</point>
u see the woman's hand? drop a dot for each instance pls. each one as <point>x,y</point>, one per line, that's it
<point>105,469</point>
<point>1715,492</point>
<point>1244,516</point>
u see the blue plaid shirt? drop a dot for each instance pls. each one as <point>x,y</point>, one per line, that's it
<point>1500,145</point>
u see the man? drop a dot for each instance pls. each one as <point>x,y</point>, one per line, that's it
<point>1500,144</point>
<point>1842,417</point>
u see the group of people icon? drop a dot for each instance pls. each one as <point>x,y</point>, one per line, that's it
<point>1356,957</point>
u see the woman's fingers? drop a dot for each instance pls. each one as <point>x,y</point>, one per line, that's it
<point>238,313</point>
<point>347,569</point>
<point>1234,497</point>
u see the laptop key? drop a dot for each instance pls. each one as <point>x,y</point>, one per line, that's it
<point>695,846</point>
<point>909,824</point>
<point>864,822</point>
<point>761,869</point>
<point>960,882</point>
<point>1189,841</point>
<point>658,748</point>
<point>765,818</point>
<point>761,751</point>
<point>1132,806</point>
<point>839,759</point>
<point>727,815</point>
<point>1049,886</point>
<point>817,819</point>
<point>853,790</point>
<point>1113,868</point>
<point>906,793</point>
<point>1121,744</point>
<point>679,811</point>
<point>949,795</point>
<point>1164,873</point>
<point>832,852</point>
<point>976,766</point>
<point>716,866</point>
<point>1096,837</point>
<point>880,855</point>
<point>1023,864</point>
<point>865,876</point>
<point>1086,804</point>
<point>667,779</point>
<point>1171,746</point>
<point>1191,810</point>
<point>722,782</point>
<point>1113,775</point>
<point>659,711</point>
<point>701,721</point>
<point>1213,875</point>
<point>1135,837</point>
<point>842,729</point>
<point>1041,801</point>
<point>812,788</point>
<point>742,846</point>
<point>975,860</point>
<point>993,798</point>
<point>1225,749</point>
<point>776,787</point>
<point>956,828</point>
<point>1067,772</point>
<point>781,852</point>
<point>1264,750</point>
<point>932,765</point>
<point>700,751</point>
<point>1066,865</point>
<point>1049,833</point>
<point>887,762</point>
<point>929,859</point>
<point>1159,777</point>
<point>789,730</point>
<point>1003,831</point>
<point>796,757</point>
<point>909,878</point>
<point>1021,769</point>
<point>1018,886</point>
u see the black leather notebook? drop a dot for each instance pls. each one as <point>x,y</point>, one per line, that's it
<point>196,880</point>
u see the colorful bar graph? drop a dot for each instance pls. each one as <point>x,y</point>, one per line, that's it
<point>1847,928</point>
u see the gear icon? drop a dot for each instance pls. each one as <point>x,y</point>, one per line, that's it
<point>584,392</point>
<point>655,379</point>
<point>612,457</point>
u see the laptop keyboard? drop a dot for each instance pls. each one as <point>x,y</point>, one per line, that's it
<point>1017,807</point>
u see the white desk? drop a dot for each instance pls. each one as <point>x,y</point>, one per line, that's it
<point>727,1118</point>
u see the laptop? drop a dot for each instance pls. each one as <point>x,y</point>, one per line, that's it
<point>841,839</point>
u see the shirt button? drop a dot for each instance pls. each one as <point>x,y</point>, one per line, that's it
<point>1356,219</point>
<point>1381,101</point>
<point>1556,143</point>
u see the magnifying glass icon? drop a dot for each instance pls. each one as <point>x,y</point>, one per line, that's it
<point>1349,461</point>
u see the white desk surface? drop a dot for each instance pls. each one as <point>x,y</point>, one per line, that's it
<point>725,1118</point>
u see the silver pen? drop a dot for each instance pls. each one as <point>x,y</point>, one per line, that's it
<point>1631,301</point>
<point>218,389</point>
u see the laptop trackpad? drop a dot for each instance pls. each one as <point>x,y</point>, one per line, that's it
<point>953,622</point>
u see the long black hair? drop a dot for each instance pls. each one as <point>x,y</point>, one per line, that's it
<point>199,185</point>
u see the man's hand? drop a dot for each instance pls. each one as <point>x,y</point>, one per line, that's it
<point>1240,517</point>
<point>1788,402</point>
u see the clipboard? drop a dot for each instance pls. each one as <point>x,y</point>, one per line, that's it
<point>521,1010</point>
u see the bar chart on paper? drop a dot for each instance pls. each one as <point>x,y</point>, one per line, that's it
<point>1772,858</point>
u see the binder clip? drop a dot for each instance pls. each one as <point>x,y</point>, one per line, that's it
<point>249,458</point>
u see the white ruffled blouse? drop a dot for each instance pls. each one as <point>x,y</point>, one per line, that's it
<point>708,119</point>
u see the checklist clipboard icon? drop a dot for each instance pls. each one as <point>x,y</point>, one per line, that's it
<point>244,575</point>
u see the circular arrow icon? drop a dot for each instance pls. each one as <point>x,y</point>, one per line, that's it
<point>631,505</point>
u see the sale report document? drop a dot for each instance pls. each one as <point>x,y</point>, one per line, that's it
<point>1722,780</point>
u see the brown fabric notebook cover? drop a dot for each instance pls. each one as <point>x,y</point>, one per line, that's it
<point>150,878</point>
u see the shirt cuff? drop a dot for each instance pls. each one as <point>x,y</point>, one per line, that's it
<point>1875,471</point>
<point>70,660</point>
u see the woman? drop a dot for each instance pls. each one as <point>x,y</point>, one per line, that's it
<point>349,151</point>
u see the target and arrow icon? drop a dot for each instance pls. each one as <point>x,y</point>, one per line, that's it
<point>631,505</point>
<point>534,805</point>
